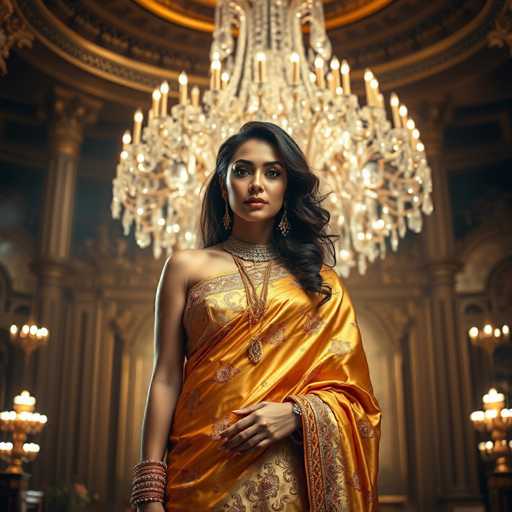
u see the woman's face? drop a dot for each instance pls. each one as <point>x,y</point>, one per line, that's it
<point>256,172</point>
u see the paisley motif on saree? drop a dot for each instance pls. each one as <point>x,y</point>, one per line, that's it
<point>313,356</point>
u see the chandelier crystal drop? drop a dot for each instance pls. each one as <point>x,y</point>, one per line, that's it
<point>260,70</point>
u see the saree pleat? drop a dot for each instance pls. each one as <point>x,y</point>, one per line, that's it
<point>311,356</point>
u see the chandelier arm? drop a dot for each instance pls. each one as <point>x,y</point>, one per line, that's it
<point>241,15</point>
<point>310,144</point>
<point>295,23</point>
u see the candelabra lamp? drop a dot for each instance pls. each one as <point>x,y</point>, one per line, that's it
<point>19,423</point>
<point>496,421</point>
<point>489,336</point>
<point>29,337</point>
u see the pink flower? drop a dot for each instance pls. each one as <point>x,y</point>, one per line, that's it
<point>80,489</point>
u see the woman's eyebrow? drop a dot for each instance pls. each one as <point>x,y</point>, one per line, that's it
<point>265,164</point>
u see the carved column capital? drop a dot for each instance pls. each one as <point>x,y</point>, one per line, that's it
<point>443,272</point>
<point>71,112</point>
<point>13,32</point>
<point>432,117</point>
<point>501,34</point>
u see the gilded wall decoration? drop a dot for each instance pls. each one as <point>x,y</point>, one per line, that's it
<point>501,34</point>
<point>13,32</point>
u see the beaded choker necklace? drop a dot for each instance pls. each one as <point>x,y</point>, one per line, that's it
<point>250,251</point>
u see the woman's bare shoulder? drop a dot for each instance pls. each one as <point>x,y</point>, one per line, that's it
<point>199,264</point>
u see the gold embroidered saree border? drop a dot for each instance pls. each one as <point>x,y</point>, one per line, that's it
<point>323,455</point>
<point>312,458</point>
<point>227,282</point>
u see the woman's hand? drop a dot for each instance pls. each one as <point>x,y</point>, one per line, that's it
<point>152,506</point>
<point>264,424</point>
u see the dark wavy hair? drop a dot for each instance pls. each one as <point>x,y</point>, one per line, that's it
<point>307,245</point>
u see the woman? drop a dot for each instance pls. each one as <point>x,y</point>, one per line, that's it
<point>274,408</point>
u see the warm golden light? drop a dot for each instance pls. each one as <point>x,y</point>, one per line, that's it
<point>496,421</point>
<point>295,59</point>
<point>261,68</point>
<point>137,127</point>
<point>183,81</point>
<point>24,398</point>
<point>19,423</point>
<point>195,96</point>
<point>224,78</point>
<point>493,397</point>
<point>164,89</point>
<point>215,75</point>
<point>29,337</point>
<point>127,138</point>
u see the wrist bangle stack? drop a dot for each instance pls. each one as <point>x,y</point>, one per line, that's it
<point>149,480</point>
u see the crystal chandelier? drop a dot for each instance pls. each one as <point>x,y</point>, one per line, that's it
<point>260,70</point>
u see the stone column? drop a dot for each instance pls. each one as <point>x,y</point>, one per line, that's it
<point>450,369</point>
<point>70,114</point>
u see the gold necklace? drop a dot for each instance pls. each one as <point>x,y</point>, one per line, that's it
<point>248,250</point>
<point>256,307</point>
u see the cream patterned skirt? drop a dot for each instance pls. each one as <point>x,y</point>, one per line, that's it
<point>275,482</point>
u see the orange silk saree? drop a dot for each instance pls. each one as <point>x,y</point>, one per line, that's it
<point>313,357</point>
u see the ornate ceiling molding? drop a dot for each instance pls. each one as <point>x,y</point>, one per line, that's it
<point>175,14</point>
<point>13,32</point>
<point>139,50</point>
<point>337,14</point>
<point>501,34</point>
<point>444,54</point>
<point>91,57</point>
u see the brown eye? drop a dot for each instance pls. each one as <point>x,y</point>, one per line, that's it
<point>239,170</point>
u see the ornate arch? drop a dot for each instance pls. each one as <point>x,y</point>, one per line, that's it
<point>480,253</point>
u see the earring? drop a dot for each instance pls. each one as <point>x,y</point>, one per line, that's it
<point>227,218</point>
<point>284,225</point>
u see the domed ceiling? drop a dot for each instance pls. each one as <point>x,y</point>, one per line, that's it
<point>139,43</point>
<point>198,14</point>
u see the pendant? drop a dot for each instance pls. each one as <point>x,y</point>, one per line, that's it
<point>255,350</point>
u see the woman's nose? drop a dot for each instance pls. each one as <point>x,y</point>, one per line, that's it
<point>256,181</point>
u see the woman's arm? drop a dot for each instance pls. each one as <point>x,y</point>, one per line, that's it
<point>169,353</point>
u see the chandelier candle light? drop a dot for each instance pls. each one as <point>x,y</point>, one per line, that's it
<point>29,337</point>
<point>489,338</point>
<point>489,335</point>
<point>376,169</point>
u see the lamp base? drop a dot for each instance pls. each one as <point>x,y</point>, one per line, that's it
<point>500,491</point>
<point>12,491</point>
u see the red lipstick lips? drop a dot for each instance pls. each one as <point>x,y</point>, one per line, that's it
<point>255,200</point>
